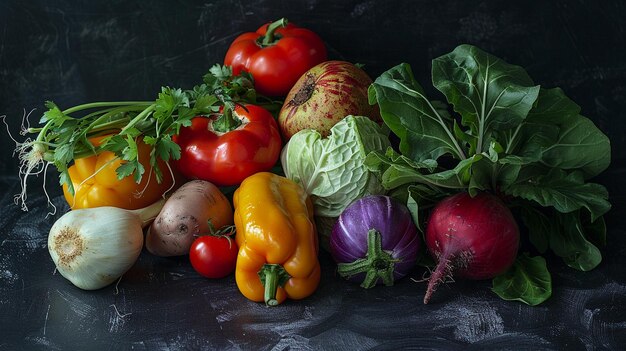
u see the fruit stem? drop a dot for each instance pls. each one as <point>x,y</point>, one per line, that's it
<point>377,264</point>
<point>272,276</point>
<point>227,121</point>
<point>270,36</point>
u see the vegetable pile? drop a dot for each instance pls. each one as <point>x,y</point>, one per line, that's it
<point>280,150</point>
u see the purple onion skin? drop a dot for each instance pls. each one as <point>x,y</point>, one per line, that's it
<point>392,219</point>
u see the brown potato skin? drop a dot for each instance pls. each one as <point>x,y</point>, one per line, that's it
<point>185,216</point>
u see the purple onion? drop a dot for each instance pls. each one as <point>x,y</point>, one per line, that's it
<point>375,241</point>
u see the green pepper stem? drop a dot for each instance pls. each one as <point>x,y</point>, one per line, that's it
<point>377,264</point>
<point>227,121</point>
<point>272,276</point>
<point>270,34</point>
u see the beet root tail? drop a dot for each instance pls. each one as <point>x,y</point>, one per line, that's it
<point>442,270</point>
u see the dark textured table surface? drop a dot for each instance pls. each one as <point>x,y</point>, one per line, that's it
<point>78,51</point>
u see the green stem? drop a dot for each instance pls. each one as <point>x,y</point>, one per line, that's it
<point>440,120</point>
<point>140,117</point>
<point>103,120</point>
<point>377,264</point>
<point>48,156</point>
<point>272,276</point>
<point>227,121</point>
<point>495,171</point>
<point>512,141</point>
<point>270,35</point>
<point>458,147</point>
<point>43,131</point>
<point>148,214</point>
<point>479,144</point>
<point>482,117</point>
<point>104,104</point>
<point>116,124</point>
<point>47,143</point>
<point>83,154</point>
<point>101,112</point>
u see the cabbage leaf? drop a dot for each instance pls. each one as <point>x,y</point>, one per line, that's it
<point>331,170</point>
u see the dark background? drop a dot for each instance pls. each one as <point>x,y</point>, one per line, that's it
<point>73,52</point>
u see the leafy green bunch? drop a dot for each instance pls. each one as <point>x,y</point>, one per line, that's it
<point>506,135</point>
<point>66,134</point>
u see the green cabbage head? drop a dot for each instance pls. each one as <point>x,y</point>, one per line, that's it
<point>331,169</point>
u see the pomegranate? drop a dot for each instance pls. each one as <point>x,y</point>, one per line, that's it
<point>323,96</point>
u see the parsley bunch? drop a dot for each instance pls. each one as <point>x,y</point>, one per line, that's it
<point>65,134</point>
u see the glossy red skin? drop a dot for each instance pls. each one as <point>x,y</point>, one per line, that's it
<point>213,256</point>
<point>228,159</point>
<point>276,68</point>
<point>479,235</point>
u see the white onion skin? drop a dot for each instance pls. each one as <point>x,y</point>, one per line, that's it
<point>92,248</point>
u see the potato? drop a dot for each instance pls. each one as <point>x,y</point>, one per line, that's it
<point>185,216</point>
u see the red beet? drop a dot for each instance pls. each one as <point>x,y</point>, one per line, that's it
<point>470,237</point>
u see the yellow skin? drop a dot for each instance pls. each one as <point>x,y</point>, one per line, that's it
<point>104,189</point>
<point>275,225</point>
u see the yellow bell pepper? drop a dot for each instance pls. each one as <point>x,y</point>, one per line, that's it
<point>278,245</point>
<point>104,189</point>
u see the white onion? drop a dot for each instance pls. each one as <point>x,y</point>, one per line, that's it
<point>94,247</point>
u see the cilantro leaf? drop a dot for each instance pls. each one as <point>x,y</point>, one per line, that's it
<point>219,72</point>
<point>134,168</point>
<point>64,153</point>
<point>54,115</point>
<point>64,177</point>
<point>116,144</point>
<point>150,140</point>
<point>130,152</point>
<point>167,149</point>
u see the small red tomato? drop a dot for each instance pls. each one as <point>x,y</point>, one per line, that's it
<point>213,256</point>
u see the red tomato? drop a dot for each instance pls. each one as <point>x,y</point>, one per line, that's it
<point>227,158</point>
<point>276,55</point>
<point>213,256</point>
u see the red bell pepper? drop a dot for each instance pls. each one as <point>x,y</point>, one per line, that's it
<point>226,148</point>
<point>276,55</point>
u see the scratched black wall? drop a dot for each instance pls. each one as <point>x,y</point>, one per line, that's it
<point>80,51</point>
